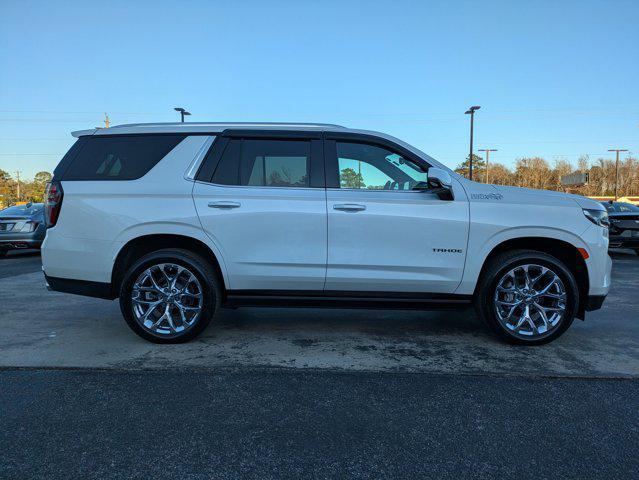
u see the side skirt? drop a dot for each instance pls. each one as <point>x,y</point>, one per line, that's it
<point>341,299</point>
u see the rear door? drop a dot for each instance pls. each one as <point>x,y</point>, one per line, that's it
<point>260,197</point>
<point>385,232</point>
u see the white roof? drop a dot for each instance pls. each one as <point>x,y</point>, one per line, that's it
<point>202,127</point>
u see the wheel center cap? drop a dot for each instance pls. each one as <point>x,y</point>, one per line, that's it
<point>169,295</point>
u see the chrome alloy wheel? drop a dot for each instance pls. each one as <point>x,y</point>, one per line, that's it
<point>530,300</point>
<point>167,299</point>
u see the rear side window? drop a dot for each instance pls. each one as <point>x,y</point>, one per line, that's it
<point>265,163</point>
<point>228,170</point>
<point>120,157</point>
<point>275,163</point>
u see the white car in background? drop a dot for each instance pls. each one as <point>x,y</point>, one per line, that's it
<point>178,220</point>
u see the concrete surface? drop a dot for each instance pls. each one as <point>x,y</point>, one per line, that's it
<point>281,424</point>
<point>45,329</point>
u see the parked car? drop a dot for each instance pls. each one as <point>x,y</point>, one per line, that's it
<point>21,227</point>
<point>624,225</point>
<point>178,220</point>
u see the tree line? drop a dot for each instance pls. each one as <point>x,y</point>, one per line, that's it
<point>12,191</point>
<point>530,172</point>
<point>536,172</point>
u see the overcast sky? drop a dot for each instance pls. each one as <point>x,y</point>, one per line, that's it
<point>554,79</point>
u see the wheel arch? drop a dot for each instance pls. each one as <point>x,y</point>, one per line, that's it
<point>563,250</point>
<point>140,246</point>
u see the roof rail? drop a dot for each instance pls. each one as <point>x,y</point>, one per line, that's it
<point>215,124</point>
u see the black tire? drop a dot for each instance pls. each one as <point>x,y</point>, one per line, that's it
<point>636,250</point>
<point>499,266</point>
<point>200,267</point>
<point>3,253</point>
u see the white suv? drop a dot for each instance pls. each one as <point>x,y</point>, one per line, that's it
<point>178,220</point>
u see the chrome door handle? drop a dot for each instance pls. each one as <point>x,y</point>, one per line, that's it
<point>224,204</point>
<point>349,207</point>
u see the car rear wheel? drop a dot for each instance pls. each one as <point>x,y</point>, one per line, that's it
<point>636,251</point>
<point>527,297</point>
<point>3,253</point>
<point>169,296</point>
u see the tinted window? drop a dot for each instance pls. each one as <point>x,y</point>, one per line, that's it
<point>275,163</point>
<point>228,170</point>
<point>120,158</point>
<point>264,163</point>
<point>375,168</point>
<point>69,156</point>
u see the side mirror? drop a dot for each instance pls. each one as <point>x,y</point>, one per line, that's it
<point>441,183</point>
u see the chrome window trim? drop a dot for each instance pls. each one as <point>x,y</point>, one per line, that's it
<point>194,166</point>
<point>314,189</point>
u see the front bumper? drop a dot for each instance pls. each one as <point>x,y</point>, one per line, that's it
<point>624,242</point>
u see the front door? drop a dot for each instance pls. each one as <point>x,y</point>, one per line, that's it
<point>265,209</point>
<point>386,231</point>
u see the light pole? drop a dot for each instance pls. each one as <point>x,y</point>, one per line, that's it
<point>182,112</point>
<point>471,112</point>
<point>487,150</point>
<point>617,167</point>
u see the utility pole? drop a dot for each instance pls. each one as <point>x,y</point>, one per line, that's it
<point>18,183</point>
<point>487,150</point>
<point>471,112</point>
<point>107,122</point>
<point>617,167</point>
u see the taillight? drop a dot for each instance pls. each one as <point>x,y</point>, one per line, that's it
<point>52,203</point>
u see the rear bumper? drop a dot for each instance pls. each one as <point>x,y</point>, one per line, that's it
<point>15,241</point>
<point>80,287</point>
<point>19,244</point>
<point>22,240</point>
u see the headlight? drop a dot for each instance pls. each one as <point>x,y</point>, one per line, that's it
<point>598,217</point>
<point>29,227</point>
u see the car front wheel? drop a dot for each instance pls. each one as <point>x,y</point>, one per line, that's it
<point>527,297</point>
<point>169,296</point>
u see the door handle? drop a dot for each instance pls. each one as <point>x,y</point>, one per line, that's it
<point>349,207</point>
<point>224,204</point>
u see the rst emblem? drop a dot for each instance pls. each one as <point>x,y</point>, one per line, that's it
<point>486,196</point>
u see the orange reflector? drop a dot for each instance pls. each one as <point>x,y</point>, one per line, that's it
<point>584,253</point>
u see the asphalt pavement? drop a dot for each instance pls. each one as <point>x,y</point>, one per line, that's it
<point>271,393</point>
<point>282,424</point>
<point>20,262</point>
